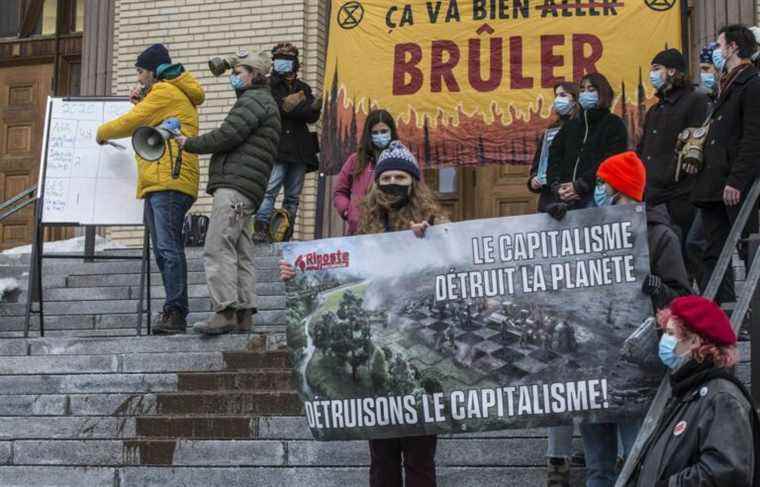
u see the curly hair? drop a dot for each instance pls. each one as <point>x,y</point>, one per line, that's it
<point>285,49</point>
<point>377,206</point>
<point>721,356</point>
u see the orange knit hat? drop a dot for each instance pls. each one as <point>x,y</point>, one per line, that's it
<point>625,173</point>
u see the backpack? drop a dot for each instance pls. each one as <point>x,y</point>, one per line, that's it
<point>194,230</point>
<point>280,226</point>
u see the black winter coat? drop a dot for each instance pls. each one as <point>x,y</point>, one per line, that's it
<point>580,146</point>
<point>678,109</point>
<point>244,147</point>
<point>707,436</point>
<point>665,258</point>
<point>732,147</point>
<point>297,143</point>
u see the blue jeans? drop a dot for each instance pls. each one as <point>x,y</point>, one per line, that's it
<point>289,175</point>
<point>560,442</point>
<point>600,441</point>
<point>164,215</point>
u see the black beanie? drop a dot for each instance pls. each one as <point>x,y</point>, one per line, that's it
<point>153,57</point>
<point>671,58</point>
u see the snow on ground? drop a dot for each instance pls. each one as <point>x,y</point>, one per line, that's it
<point>72,245</point>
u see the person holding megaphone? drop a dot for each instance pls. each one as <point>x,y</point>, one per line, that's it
<point>168,184</point>
<point>244,148</point>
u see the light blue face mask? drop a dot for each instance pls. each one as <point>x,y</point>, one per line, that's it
<point>708,80</point>
<point>589,100</point>
<point>236,82</point>
<point>563,105</point>
<point>602,198</point>
<point>381,140</point>
<point>283,66</point>
<point>668,355</point>
<point>656,79</point>
<point>718,60</point>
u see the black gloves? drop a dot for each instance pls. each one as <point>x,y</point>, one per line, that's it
<point>557,210</point>
<point>652,285</point>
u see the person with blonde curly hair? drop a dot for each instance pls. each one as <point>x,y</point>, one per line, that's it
<point>708,433</point>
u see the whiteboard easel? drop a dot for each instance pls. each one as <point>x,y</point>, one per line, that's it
<point>83,183</point>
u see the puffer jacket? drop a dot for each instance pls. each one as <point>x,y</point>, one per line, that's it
<point>707,436</point>
<point>178,97</point>
<point>245,146</point>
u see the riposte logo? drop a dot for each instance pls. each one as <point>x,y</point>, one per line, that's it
<point>350,15</point>
<point>315,261</point>
<point>661,5</point>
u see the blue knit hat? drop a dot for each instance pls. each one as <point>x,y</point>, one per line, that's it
<point>153,57</point>
<point>397,158</point>
<point>705,57</point>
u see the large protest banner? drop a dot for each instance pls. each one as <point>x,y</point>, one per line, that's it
<point>488,324</point>
<point>470,81</point>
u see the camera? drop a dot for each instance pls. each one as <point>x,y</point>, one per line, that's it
<point>219,65</point>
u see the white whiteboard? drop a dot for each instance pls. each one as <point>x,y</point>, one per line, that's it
<point>82,182</point>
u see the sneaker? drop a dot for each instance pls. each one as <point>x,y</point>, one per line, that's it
<point>170,322</point>
<point>557,472</point>
<point>222,322</point>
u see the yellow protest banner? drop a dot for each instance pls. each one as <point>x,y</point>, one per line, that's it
<point>470,81</point>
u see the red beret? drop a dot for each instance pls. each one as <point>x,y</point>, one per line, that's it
<point>704,317</point>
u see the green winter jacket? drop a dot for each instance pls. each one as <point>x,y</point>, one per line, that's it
<point>244,147</point>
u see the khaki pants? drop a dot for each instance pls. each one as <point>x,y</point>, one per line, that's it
<point>228,253</point>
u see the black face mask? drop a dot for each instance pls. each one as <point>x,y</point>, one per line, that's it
<point>399,192</point>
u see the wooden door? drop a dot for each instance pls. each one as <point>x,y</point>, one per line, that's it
<point>501,190</point>
<point>707,17</point>
<point>23,94</point>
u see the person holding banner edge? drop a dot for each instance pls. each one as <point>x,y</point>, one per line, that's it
<point>168,91</point>
<point>709,433</point>
<point>356,175</point>
<point>244,148</point>
<point>398,201</point>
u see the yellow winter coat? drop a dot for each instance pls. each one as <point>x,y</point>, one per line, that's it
<point>179,98</point>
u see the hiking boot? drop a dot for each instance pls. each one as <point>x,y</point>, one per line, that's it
<point>557,472</point>
<point>260,232</point>
<point>244,321</point>
<point>222,322</point>
<point>170,322</point>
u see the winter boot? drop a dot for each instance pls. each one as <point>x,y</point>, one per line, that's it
<point>170,322</point>
<point>557,472</point>
<point>260,232</point>
<point>244,321</point>
<point>222,322</point>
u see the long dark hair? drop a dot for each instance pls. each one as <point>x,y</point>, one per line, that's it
<point>366,150</point>
<point>606,94</point>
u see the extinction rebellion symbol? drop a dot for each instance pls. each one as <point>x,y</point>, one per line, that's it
<point>661,5</point>
<point>350,15</point>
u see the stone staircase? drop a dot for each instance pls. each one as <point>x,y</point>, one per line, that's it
<point>93,405</point>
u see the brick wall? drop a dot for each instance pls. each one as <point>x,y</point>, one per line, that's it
<point>195,30</point>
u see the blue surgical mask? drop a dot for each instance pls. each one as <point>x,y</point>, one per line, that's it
<point>381,140</point>
<point>656,79</point>
<point>236,82</point>
<point>563,105</point>
<point>589,100</point>
<point>283,66</point>
<point>602,197</point>
<point>718,60</point>
<point>708,80</point>
<point>668,355</point>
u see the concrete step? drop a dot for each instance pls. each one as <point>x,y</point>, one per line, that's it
<point>11,476</point>
<point>122,332</point>
<point>156,344</point>
<point>229,403</point>
<point>96,307</point>
<point>87,384</point>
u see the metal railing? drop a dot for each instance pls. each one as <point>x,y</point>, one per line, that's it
<point>18,202</point>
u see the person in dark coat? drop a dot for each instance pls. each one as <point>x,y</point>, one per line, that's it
<point>678,108</point>
<point>583,143</point>
<point>731,150</point>
<point>709,431</point>
<point>566,107</point>
<point>621,180</point>
<point>298,149</point>
<point>244,149</point>
<point>398,201</point>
